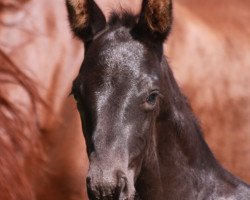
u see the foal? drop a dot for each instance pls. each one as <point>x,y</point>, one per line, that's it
<point>142,137</point>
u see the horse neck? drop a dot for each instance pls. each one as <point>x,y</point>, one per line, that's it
<point>179,156</point>
<point>184,158</point>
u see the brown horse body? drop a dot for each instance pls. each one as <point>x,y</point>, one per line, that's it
<point>43,159</point>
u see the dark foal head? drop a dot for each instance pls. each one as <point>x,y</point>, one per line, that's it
<point>118,91</point>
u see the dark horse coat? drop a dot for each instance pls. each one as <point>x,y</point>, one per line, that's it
<point>142,138</point>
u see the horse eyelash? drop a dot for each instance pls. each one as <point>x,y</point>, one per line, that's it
<point>158,93</point>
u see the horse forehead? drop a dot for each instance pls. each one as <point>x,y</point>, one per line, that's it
<point>121,52</point>
<point>121,62</point>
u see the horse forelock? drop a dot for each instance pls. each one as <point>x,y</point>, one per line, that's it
<point>124,18</point>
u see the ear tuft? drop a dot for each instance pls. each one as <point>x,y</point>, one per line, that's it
<point>155,19</point>
<point>86,18</point>
<point>158,15</point>
<point>78,13</point>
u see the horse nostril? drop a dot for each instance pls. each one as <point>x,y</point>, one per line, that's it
<point>91,193</point>
<point>122,184</point>
<point>122,181</point>
<point>88,180</point>
<point>122,190</point>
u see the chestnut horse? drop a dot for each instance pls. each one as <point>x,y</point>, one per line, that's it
<point>141,134</point>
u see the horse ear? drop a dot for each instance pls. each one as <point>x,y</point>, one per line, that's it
<point>156,18</point>
<point>86,18</point>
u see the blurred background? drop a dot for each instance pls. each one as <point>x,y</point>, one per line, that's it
<point>42,149</point>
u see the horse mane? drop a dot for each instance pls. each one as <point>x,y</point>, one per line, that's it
<point>20,143</point>
<point>123,18</point>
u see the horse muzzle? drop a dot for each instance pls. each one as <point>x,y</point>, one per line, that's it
<point>107,186</point>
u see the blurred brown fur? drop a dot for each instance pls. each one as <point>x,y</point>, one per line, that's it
<point>20,142</point>
<point>41,158</point>
<point>12,3</point>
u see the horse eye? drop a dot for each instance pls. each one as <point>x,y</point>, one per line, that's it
<point>151,99</point>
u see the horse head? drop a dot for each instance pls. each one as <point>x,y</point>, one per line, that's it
<point>118,90</point>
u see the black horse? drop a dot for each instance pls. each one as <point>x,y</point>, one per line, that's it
<point>141,135</point>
